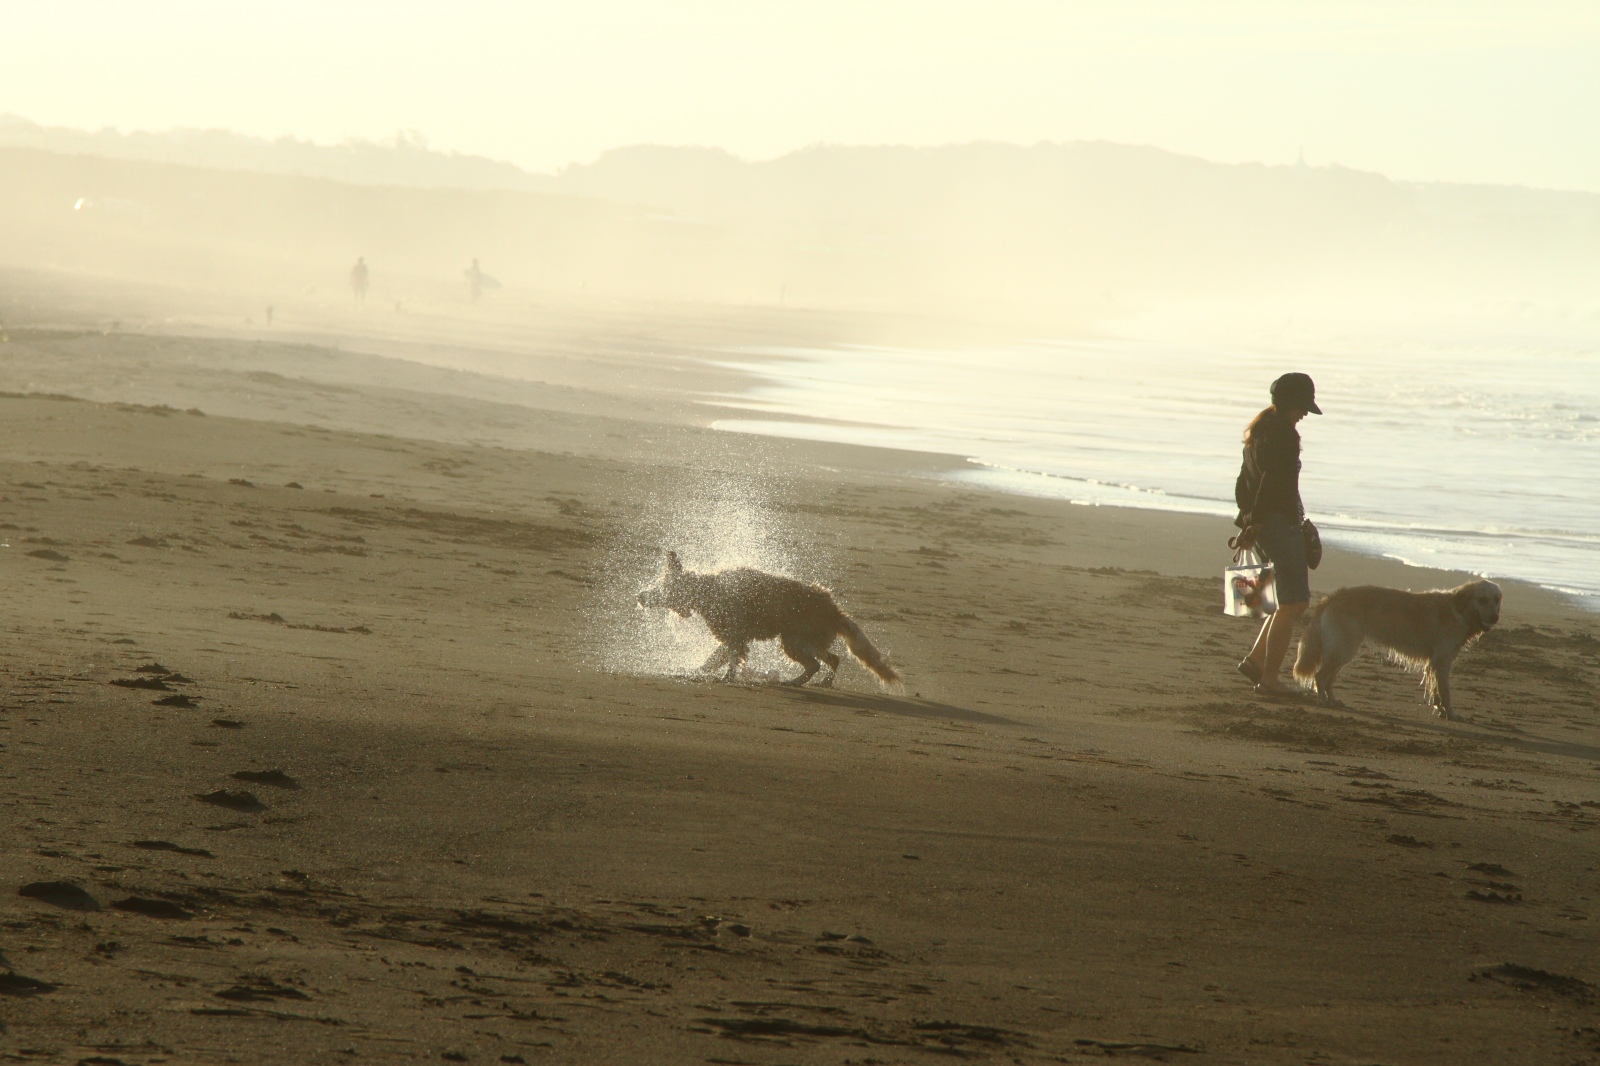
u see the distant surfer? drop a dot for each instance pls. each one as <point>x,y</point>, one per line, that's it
<point>358,280</point>
<point>478,281</point>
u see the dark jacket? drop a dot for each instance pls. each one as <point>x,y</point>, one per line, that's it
<point>1269,477</point>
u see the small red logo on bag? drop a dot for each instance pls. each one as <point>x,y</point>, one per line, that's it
<point>1249,591</point>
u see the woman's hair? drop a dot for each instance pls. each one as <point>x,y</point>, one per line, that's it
<point>1269,411</point>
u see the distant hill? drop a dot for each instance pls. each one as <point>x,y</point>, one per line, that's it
<point>1137,221</point>
<point>986,227</point>
<point>406,161</point>
<point>897,185</point>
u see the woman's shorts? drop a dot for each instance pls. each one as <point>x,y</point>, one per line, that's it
<point>1284,545</point>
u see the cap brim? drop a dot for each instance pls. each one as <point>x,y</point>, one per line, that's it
<point>1314,409</point>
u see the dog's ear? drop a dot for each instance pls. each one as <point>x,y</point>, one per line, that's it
<point>674,564</point>
<point>1464,600</point>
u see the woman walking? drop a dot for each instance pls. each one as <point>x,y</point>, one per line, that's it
<point>1274,520</point>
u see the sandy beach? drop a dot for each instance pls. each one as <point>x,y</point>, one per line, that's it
<point>322,685</point>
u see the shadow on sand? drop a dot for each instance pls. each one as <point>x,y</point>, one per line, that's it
<point>882,703</point>
<point>1487,734</point>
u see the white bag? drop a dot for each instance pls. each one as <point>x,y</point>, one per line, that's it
<point>1248,590</point>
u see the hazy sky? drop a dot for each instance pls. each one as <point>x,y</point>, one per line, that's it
<point>1465,90</point>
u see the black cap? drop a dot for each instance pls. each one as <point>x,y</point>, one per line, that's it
<point>1296,390</point>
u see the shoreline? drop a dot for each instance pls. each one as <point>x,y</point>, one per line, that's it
<point>663,369</point>
<point>1337,533</point>
<point>1006,450</point>
<point>497,409</point>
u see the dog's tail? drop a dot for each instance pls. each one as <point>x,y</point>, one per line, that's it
<point>865,652</point>
<point>1308,660</point>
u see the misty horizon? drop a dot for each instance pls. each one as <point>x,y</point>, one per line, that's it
<point>1480,93</point>
<point>359,159</point>
<point>1068,232</point>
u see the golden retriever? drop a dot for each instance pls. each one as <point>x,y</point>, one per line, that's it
<point>743,605</point>
<point>1420,630</point>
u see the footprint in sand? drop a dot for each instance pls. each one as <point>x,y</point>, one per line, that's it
<point>233,800</point>
<point>61,894</point>
<point>49,554</point>
<point>159,677</point>
<point>167,845</point>
<point>276,778</point>
<point>14,984</point>
<point>257,989</point>
<point>227,723</point>
<point>1492,896</point>
<point>152,908</point>
<point>141,682</point>
<point>1529,979</point>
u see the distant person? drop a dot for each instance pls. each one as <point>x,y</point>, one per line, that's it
<point>478,282</point>
<point>1272,519</point>
<point>269,314</point>
<point>358,280</point>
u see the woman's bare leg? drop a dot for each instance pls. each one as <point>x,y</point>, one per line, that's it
<point>1272,645</point>
<point>1258,651</point>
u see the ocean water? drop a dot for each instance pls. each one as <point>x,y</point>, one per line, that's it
<point>1474,447</point>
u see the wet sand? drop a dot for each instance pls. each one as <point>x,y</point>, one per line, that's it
<point>314,696</point>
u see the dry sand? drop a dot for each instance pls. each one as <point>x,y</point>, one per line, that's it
<point>471,835</point>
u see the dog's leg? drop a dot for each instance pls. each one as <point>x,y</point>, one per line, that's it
<point>1325,694</point>
<point>802,655</point>
<point>811,667</point>
<point>833,669</point>
<point>1439,675</point>
<point>736,658</point>
<point>805,659</point>
<point>718,660</point>
<point>1430,688</point>
<point>1336,655</point>
<point>1325,679</point>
